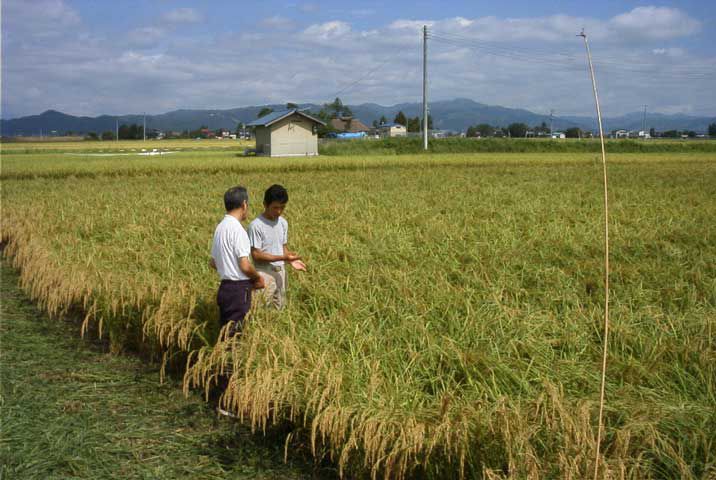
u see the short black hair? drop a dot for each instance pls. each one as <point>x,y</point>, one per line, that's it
<point>235,197</point>
<point>275,193</point>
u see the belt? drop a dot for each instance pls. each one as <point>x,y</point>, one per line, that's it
<point>226,280</point>
<point>273,268</point>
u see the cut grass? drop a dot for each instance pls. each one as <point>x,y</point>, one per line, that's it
<point>69,410</point>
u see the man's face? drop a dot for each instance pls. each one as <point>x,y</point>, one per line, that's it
<point>274,210</point>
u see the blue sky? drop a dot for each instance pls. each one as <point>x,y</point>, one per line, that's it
<point>88,57</point>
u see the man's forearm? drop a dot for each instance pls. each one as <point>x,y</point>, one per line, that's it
<point>248,269</point>
<point>262,256</point>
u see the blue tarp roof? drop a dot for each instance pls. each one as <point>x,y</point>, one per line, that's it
<point>274,117</point>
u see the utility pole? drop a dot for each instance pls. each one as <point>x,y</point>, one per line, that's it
<point>643,122</point>
<point>144,127</point>
<point>425,87</point>
<point>116,130</point>
<point>551,115</point>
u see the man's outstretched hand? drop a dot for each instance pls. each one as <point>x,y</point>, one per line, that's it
<point>298,265</point>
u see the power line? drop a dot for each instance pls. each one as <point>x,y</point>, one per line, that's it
<point>360,79</point>
<point>569,62</point>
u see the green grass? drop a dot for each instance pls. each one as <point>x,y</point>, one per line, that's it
<point>70,410</point>
<point>452,311</point>
<point>414,145</point>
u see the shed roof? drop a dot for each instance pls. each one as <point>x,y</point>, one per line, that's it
<point>347,124</point>
<point>392,124</point>
<point>274,117</point>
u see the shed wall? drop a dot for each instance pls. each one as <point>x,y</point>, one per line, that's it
<point>263,140</point>
<point>293,136</point>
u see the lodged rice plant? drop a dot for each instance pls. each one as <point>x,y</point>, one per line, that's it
<point>450,321</point>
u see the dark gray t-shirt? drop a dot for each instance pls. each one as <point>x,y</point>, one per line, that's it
<point>269,236</point>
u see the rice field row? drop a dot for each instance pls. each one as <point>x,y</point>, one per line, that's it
<point>450,321</point>
<point>15,148</point>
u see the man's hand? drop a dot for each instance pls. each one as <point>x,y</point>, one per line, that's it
<point>298,265</point>
<point>258,283</point>
<point>212,263</point>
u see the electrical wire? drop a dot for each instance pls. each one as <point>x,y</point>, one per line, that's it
<point>569,62</point>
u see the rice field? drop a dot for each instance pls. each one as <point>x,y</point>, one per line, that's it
<point>121,146</point>
<point>450,323</point>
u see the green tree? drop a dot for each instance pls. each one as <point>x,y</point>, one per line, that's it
<point>130,132</point>
<point>413,124</point>
<point>336,109</point>
<point>573,132</point>
<point>471,131</point>
<point>91,136</point>
<point>517,130</point>
<point>712,130</point>
<point>485,130</point>
<point>264,111</point>
<point>542,129</point>
<point>652,132</point>
<point>401,119</point>
<point>291,106</point>
<point>382,120</point>
<point>325,116</point>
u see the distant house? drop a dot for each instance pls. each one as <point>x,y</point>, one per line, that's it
<point>439,133</point>
<point>558,135</point>
<point>392,130</point>
<point>349,124</point>
<point>288,133</point>
<point>621,134</point>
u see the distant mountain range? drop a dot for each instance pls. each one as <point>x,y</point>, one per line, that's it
<point>455,115</point>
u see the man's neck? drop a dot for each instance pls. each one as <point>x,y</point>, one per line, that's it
<point>269,218</point>
<point>236,214</point>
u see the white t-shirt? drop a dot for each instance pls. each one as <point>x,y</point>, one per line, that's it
<point>230,244</point>
<point>269,236</point>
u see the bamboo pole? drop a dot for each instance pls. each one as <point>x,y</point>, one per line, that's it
<point>606,257</point>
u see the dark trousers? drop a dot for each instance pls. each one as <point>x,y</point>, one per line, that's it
<point>234,300</point>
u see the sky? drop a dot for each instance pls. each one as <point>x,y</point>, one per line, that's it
<point>93,57</point>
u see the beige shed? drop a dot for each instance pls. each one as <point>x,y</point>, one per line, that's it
<point>288,133</point>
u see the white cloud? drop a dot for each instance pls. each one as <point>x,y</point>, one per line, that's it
<point>182,15</point>
<point>410,24</point>
<point>669,52</point>
<point>327,31</point>
<point>655,23</point>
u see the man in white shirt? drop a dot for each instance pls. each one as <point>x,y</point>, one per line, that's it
<point>268,234</point>
<point>230,252</point>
